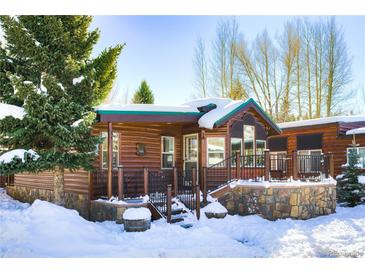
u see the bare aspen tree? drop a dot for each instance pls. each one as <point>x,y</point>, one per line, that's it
<point>287,47</point>
<point>201,69</point>
<point>219,61</point>
<point>297,54</point>
<point>318,65</point>
<point>338,65</point>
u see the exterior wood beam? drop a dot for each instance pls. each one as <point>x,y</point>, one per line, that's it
<point>110,159</point>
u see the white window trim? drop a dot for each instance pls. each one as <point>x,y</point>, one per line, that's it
<point>173,153</point>
<point>347,152</point>
<point>261,141</point>
<point>102,149</point>
<point>224,148</point>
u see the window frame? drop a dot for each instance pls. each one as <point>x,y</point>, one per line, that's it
<point>224,148</point>
<point>102,149</point>
<point>357,152</point>
<point>168,153</point>
<point>276,153</point>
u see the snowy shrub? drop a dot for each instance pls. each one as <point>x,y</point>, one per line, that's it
<point>350,191</point>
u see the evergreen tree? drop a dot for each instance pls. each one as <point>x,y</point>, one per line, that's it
<point>46,67</point>
<point>143,95</point>
<point>349,190</point>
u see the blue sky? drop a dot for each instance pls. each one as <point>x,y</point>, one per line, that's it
<point>160,49</point>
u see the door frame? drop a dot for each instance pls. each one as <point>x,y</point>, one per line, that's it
<point>184,149</point>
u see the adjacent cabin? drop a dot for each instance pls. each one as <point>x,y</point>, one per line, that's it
<point>335,135</point>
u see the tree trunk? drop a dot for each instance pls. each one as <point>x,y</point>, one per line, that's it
<point>58,185</point>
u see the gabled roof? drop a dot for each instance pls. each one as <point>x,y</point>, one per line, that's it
<point>220,111</point>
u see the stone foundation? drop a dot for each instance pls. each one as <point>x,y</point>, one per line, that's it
<point>75,201</point>
<point>276,202</point>
<point>105,211</point>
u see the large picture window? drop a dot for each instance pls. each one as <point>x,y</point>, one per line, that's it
<point>360,151</point>
<point>104,159</point>
<point>215,147</point>
<point>167,151</point>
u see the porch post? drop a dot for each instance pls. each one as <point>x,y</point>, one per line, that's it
<point>110,159</point>
<point>332,166</point>
<point>267,164</point>
<point>205,187</point>
<point>145,180</point>
<point>169,203</point>
<point>120,183</point>
<point>295,164</point>
<point>238,166</point>
<point>197,200</point>
<point>175,181</point>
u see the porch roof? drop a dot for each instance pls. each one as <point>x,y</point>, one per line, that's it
<point>190,112</point>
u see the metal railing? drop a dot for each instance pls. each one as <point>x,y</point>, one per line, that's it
<point>269,167</point>
<point>186,187</point>
<point>158,182</point>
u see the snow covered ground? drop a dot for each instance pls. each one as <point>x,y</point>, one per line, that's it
<point>46,230</point>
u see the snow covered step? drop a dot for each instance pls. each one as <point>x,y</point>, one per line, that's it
<point>176,220</point>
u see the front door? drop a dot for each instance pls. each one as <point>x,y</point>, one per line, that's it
<point>191,151</point>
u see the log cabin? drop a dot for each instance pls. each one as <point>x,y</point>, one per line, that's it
<point>199,145</point>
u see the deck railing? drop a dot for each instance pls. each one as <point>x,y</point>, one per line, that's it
<point>269,167</point>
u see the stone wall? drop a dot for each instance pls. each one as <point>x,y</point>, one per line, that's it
<point>275,202</point>
<point>105,211</point>
<point>75,201</point>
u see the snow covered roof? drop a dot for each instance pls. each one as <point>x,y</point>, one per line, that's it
<point>145,108</point>
<point>11,110</point>
<point>360,130</point>
<point>321,121</point>
<point>215,117</point>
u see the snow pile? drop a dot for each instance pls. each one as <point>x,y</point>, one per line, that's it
<point>140,213</point>
<point>215,207</point>
<point>11,110</point>
<point>47,230</point>
<point>77,80</point>
<point>321,121</point>
<point>7,157</point>
<point>361,179</point>
<point>77,123</point>
<point>360,130</point>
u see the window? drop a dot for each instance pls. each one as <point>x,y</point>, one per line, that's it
<point>215,146</point>
<point>167,151</point>
<point>236,147</point>
<point>360,151</point>
<point>115,161</point>
<point>309,142</point>
<point>278,144</point>
<point>248,137</point>
<point>309,160</point>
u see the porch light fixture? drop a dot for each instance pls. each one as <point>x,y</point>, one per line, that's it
<point>140,149</point>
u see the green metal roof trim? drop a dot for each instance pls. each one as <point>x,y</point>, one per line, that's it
<point>138,112</point>
<point>244,104</point>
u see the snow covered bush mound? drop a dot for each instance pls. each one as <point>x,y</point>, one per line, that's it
<point>215,207</point>
<point>7,157</point>
<point>140,213</point>
<point>46,230</point>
